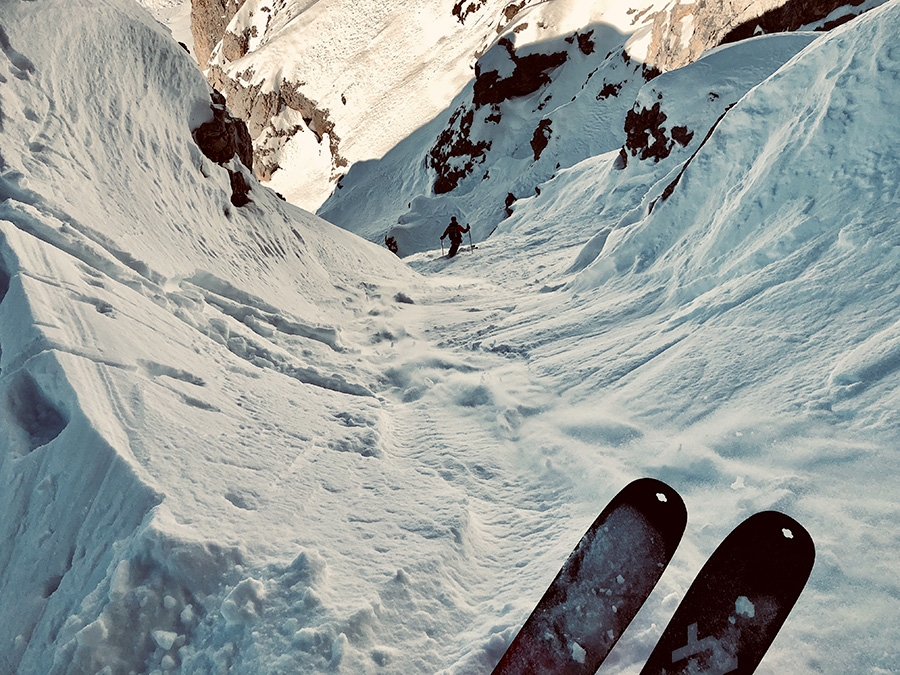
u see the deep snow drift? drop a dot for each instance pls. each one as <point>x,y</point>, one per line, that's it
<point>242,440</point>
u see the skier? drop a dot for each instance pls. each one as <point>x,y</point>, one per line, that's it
<point>455,232</point>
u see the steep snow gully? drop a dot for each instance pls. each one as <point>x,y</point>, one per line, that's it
<point>237,439</point>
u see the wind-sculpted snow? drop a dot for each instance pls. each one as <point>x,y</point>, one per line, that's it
<point>131,311</point>
<point>238,439</point>
<point>755,224</point>
<point>752,312</point>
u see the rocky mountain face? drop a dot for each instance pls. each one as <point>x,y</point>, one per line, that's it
<point>223,138</point>
<point>271,118</point>
<point>319,83</point>
<point>684,30</point>
<point>209,21</point>
<point>324,85</point>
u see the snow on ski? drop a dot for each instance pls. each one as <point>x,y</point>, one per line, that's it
<point>739,600</point>
<point>602,584</point>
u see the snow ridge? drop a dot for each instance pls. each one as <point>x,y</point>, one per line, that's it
<point>131,290</point>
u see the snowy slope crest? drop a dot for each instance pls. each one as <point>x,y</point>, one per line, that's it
<point>784,188</point>
<point>143,378</point>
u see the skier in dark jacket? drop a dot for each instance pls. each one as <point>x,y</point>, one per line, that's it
<point>455,232</point>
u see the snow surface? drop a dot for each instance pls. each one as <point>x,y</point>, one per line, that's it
<point>243,440</point>
<point>176,14</point>
<point>585,106</point>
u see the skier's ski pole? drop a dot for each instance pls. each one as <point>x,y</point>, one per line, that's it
<point>442,247</point>
<point>471,245</point>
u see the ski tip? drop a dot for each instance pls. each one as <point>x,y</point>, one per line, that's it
<point>779,537</point>
<point>660,504</point>
<point>739,600</point>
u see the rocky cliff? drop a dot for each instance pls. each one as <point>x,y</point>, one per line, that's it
<point>327,84</point>
<point>681,32</point>
<point>209,19</point>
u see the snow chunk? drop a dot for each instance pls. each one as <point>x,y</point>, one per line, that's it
<point>92,635</point>
<point>578,652</point>
<point>188,615</point>
<point>338,647</point>
<point>164,638</point>
<point>744,607</point>
<point>244,603</point>
<point>120,583</point>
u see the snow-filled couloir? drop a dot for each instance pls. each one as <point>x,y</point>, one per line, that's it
<point>235,438</point>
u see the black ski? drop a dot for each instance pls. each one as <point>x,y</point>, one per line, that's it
<point>602,585</point>
<point>738,602</point>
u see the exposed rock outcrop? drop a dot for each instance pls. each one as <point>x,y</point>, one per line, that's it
<point>259,108</point>
<point>463,8</point>
<point>209,18</point>
<point>455,154</point>
<point>541,137</point>
<point>645,134</point>
<point>240,188</point>
<point>529,74</point>
<point>235,46</point>
<point>222,139</point>
<point>683,31</point>
<point>794,14</point>
<point>460,147</point>
<point>224,136</point>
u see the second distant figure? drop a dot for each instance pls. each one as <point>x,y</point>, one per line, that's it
<point>455,231</point>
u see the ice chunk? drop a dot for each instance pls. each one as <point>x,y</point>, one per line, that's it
<point>744,607</point>
<point>578,652</point>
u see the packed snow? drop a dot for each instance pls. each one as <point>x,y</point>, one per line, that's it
<point>242,440</point>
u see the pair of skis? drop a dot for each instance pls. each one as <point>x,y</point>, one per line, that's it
<point>724,624</point>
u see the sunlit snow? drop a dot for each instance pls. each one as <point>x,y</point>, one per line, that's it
<point>243,440</point>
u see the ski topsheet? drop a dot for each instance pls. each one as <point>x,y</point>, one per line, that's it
<point>739,600</point>
<point>602,584</point>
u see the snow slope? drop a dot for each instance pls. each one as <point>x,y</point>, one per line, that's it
<point>144,319</point>
<point>349,59</point>
<point>590,122</point>
<point>243,440</point>
<point>176,15</point>
<point>477,157</point>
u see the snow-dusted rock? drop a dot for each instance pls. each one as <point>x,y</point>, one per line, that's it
<point>209,19</point>
<point>681,31</point>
